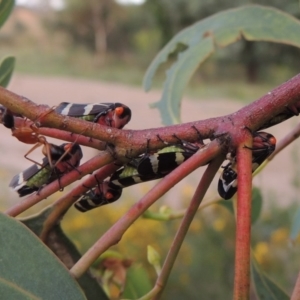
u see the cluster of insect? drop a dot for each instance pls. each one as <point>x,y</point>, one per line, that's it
<point>62,159</point>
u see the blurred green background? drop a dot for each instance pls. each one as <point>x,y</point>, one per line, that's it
<point>109,41</point>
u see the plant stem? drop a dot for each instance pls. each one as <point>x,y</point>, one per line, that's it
<point>200,192</point>
<point>243,222</point>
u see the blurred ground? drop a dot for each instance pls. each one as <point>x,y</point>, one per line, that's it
<point>276,179</point>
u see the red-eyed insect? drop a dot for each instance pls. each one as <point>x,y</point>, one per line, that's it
<point>110,114</point>
<point>104,193</point>
<point>263,146</point>
<point>149,166</point>
<point>65,158</point>
<point>115,115</point>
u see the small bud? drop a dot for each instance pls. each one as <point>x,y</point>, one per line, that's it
<point>153,258</point>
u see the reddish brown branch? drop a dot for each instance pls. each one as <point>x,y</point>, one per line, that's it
<point>62,135</point>
<point>243,224</point>
<point>253,116</point>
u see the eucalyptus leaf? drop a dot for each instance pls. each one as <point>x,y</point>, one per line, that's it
<point>295,225</point>
<point>28,265</point>
<point>6,70</point>
<point>6,7</point>
<point>197,42</point>
<point>266,288</point>
<point>137,283</point>
<point>257,201</point>
<point>66,251</point>
<point>11,291</point>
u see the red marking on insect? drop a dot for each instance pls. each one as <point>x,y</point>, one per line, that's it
<point>119,111</point>
<point>262,141</point>
<point>109,196</point>
<point>272,141</point>
<point>116,118</point>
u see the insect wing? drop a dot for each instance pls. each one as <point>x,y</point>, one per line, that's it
<point>19,182</point>
<point>128,176</point>
<point>36,176</point>
<point>79,110</point>
<point>164,161</point>
<point>27,174</point>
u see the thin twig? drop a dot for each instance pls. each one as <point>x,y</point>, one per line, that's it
<point>243,224</point>
<point>173,215</point>
<point>289,138</point>
<point>60,207</point>
<point>200,192</point>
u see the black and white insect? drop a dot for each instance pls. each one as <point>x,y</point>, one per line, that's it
<point>263,146</point>
<point>104,193</point>
<point>109,191</point>
<point>115,115</point>
<point>65,158</point>
<point>167,159</point>
<point>149,166</point>
<point>110,114</point>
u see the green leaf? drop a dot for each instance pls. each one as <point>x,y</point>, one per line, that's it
<point>67,252</point>
<point>6,7</point>
<point>6,69</point>
<point>36,222</point>
<point>256,204</point>
<point>137,283</point>
<point>295,225</point>
<point>197,42</point>
<point>227,204</point>
<point>266,288</point>
<point>177,78</point>
<point>14,292</point>
<point>30,266</point>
